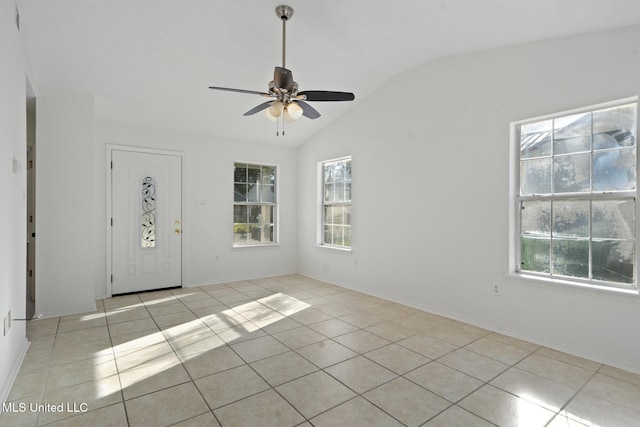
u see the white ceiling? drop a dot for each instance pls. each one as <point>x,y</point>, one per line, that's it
<point>151,61</point>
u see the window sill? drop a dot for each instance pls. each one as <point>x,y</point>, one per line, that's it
<point>260,245</point>
<point>336,248</point>
<point>532,278</point>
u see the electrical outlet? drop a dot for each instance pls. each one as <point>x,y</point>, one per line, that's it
<point>496,289</point>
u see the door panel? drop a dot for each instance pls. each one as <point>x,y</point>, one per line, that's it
<point>146,234</point>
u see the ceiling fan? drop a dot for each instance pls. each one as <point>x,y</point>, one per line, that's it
<point>286,100</point>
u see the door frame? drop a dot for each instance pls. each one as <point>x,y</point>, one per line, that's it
<point>109,196</point>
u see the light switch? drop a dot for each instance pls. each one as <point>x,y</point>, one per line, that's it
<point>17,166</point>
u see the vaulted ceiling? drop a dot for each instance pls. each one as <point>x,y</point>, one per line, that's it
<point>151,61</point>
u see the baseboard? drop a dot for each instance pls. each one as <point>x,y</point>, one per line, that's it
<point>13,373</point>
<point>579,352</point>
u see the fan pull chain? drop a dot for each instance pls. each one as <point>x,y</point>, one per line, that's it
<point>278,127</point>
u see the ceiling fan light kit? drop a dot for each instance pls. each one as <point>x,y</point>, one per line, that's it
<point>287,102</point>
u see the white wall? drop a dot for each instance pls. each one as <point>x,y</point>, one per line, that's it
<point>64,202</point>
<point>208,256</point>
<point>431,190</point>
<point>12,196</point>
<point>71,203</point>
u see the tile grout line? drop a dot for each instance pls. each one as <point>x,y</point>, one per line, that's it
<point>324,370</point>
<point>211,410</point>
<point>358,354</point>
<point>574,395</point>
<point>273,388</point>
<point>50,359</point>
<point>115,361</point>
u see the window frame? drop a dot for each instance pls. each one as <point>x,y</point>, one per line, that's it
<point>322,204</point>
<point>516,200</point>
<point>274,204</point>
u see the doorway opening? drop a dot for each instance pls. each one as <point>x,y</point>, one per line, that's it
<point>30,310</point>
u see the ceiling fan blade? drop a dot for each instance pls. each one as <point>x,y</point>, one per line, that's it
<point>283,79</point>
<point>308,111</point>
<point>258,108</point>
<point>228,89</point>
<point>325,95</point>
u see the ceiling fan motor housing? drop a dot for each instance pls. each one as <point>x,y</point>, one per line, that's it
<point>283,79</point>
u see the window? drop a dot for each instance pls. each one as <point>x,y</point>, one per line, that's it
<point>336,203</point>
<point>255,204</point>
<point>576,196</point>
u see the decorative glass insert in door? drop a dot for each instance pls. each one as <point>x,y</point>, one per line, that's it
<point>148,215</point>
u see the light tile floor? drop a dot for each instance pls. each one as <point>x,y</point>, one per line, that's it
<point>292,351</point>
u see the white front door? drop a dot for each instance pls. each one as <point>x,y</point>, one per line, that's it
<point>146,224</point>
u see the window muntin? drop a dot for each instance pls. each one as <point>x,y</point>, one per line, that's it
<point>336,203</point>
<point>577,196</point>
<point>255,207</point>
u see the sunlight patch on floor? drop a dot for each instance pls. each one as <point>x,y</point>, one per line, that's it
<point>154,353</point>
<point>532,412</point>
<point>118,310</point>
<point>531,397</point>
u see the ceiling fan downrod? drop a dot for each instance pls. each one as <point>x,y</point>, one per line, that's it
<point>285,13</point>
